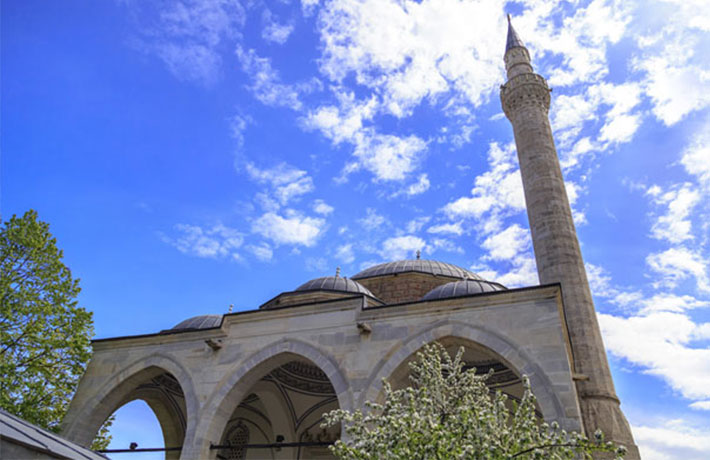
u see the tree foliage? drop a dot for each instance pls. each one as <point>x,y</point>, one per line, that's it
<point>450,413</point>
<point>45,334</point>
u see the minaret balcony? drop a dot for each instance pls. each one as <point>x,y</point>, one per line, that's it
<point>524,90</point>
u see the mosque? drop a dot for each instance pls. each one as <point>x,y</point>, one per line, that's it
<point>255,384</point>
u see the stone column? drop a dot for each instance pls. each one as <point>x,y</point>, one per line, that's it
<point>526,101</point>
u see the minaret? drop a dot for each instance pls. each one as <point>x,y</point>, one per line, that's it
<point>526,102</point>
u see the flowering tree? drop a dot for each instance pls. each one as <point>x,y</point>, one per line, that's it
<point>450,413</point>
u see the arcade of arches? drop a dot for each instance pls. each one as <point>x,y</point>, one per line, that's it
<point>256,384</point>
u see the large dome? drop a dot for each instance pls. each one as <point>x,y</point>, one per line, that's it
<point>463,288</point>
<point>432,267</point>
<point>198,322</point>
<point>334,283</point>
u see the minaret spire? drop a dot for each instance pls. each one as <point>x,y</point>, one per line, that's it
<point>517,58</point>
<point>525,98</point>
<point>514,40</point>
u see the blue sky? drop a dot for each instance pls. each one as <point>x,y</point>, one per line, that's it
<point>194,154</point>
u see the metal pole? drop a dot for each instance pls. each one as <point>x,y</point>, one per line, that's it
<point>222,447</point>
<point>272,445</point>
<point>143,449</point>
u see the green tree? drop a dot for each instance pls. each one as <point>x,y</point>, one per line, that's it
<point>449,413</point>
<point>45,336</point>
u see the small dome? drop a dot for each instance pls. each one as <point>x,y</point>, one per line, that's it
<point>198,322</point>
<point>334,283</point>
<point>463,288</point>
<point>432,267</point>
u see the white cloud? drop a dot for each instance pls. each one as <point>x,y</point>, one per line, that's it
<point>581,148</point>
<point>671,303</point>
<point>675,225</point>
<point>401,247</point>
<point>620,128</point>
<point>469,206</point>
<point>186,35</point>
<point>265,81</point>
<point>521,272</point>
<point>238,125</point>
<point>445,245</point>
<point>308,6</point>
<point>416,224</point>
<point>345,253</point>
<point>322,208</point>
<point>294,189</point>
<point>190,61</point>
<point>420,186</point>
<point>700,405</point>
<point>675,87</point>
<point>343,123</point>
<point>508,244</point>
<point>696,158</point>
<point>671,440</point>
<point>387,156</point>
<point>677,264</point>
<point>215,242</point>
<point>620,124</point>
<point>451,229</point>
<point>581,43</point>
<point>666,350</point>
<point>599,280</point>
<point>293,229</point>
<point>286,182</point>
<point>262,251</point>
<point>316,264</point>
<point>372,220</point>
<point>411,51</point>
<point>496,193</point>
<point>273,31</point>
<point>702,331</point>
<point>676,76</point>
<point>574,191</point>
<point>614,104</point>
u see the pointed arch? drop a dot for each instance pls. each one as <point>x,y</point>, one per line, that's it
<point>235,386</point>
<point>505,348</point>
<point>84,419</point>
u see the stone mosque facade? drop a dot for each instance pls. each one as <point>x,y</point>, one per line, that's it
<point>255,384</point>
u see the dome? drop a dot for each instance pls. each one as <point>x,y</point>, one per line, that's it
<point>198,322</point>
<point>334,283</point>
<point>432,267</point>
<point>463,288</point>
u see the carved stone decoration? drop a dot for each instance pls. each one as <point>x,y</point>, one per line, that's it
<point>238,438</point>
<point>501,376</point>
<point>304,377</point>
<point>171,392</point>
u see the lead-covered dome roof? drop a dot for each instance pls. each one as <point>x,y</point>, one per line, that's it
<point>198,322</point>
<point>463,288</point>
<point>431,267</point>
<point>334,283</point>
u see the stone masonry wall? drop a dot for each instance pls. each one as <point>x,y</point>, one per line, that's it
<point>524,327</point>
<point>403,287</point>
